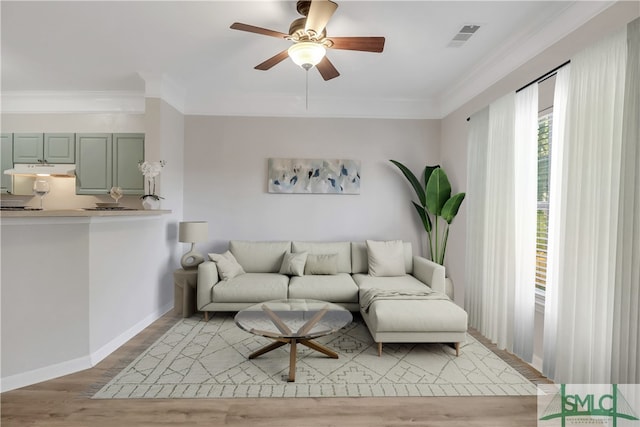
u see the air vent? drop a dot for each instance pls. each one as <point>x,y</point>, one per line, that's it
<point>463,35</point>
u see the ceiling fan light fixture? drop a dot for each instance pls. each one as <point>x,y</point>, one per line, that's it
<point>307,54</point>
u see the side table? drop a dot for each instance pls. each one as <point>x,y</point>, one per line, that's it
<point>185,283</point>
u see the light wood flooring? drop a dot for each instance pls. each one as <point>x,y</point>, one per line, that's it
<point>66,402</point>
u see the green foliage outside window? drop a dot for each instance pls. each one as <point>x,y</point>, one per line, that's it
<point>544,163</point>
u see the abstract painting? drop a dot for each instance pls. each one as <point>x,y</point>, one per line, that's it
<point>317,176</point>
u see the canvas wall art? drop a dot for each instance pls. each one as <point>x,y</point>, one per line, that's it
<point>314,176</point>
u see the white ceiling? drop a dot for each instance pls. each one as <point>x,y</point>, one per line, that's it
<point>187,53</point>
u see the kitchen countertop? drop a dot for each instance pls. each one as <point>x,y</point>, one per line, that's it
<point>79,213</point>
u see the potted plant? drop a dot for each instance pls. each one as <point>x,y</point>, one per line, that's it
<point>150,200</point>
<point>436,206</point>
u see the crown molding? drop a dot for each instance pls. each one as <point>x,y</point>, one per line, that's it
<point>161,86</point>
<point>130,102</point>
<point>34,102</point>
<point>320,107</point>
<point>72,102</point>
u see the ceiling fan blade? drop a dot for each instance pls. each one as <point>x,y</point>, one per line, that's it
<point>274,60</point>
<point>320,12</point>
<point>258,30</point>
<point>326,69</point>
<point>365,44</point>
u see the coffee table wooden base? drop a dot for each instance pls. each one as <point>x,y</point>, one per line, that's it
<point>293,352</point>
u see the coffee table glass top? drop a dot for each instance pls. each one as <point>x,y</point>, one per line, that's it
<point>293,318</point>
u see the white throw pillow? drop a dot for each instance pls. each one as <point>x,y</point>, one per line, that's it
<point>228,267</point>
<point>386,258</point>
<point>321,264</point>
<point>293,264</point>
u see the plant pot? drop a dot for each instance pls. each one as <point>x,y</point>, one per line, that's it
<point>149,203</point>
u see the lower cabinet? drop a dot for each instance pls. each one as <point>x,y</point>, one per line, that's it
<point>105,160</point>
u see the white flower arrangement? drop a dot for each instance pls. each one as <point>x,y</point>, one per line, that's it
<point>150,170</point>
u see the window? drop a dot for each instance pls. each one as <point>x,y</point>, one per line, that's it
<point>544,161</point>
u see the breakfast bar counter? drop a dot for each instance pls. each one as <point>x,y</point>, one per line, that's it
<point>77,284</point>
<point>29,213</point>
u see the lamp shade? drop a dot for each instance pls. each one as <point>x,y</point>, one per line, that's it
<point>193,231</point>
<point>307,54</point>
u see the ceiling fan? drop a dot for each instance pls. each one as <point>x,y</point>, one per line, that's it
<point>310,40</point>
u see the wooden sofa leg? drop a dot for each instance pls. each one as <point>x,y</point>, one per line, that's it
<point>206,316</point>
<point>379,349</point>
<point>457,349</point>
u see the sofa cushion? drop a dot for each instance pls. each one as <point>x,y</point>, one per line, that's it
<point>406,282</point>
<point>259,257</point>
<point>386,258</point>
<point>321,264</point>
<point>337,288</point>
<point>251,287</point>
<point>228,267</point>
<point>293,264</point>
<point>360,258</point>
<point>342,249</point>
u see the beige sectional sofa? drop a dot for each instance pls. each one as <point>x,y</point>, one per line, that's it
<point>403,308</point>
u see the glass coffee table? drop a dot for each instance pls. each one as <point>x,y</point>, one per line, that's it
<point>293,321</point>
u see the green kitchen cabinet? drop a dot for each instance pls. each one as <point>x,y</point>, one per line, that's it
<point>6,157</point>
<point>44,147</point>
<point>60,147</point>
<point>94,154</point>
<point>128,151</point>
<point>109,160</point>
<point>28,147</point>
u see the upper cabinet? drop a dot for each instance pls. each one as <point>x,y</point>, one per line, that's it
<point>60,147</point>
<point>128,152</point>
<point>109,160</point>
<point>93,169</point>
<point>6,158</point>
<point>48,147</point>
<point>28,147</point>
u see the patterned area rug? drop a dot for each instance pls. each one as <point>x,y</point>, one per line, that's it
<point>198,359</point>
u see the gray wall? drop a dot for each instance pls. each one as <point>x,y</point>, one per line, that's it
<point>226,177</point>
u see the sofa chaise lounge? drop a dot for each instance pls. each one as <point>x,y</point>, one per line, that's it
<point>406,303</point>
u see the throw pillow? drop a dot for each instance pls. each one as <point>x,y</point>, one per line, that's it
<point>386,258</point>
<point>228,267</point>
<point>293,264</point>
<point>321,264</point>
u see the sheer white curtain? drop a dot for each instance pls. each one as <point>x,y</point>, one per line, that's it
<point>626,322</point>
<point>587,222</point>
<point>526,186</point>
<point>477,140</point>
<point>502,177</point>
<point>499,239</point>
<point>556,194</point>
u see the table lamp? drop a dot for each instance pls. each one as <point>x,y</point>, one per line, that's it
<point>192,232</point>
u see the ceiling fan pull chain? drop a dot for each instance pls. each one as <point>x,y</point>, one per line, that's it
<point>307,90</point>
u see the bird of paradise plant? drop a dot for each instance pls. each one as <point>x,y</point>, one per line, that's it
<point>435,201</point>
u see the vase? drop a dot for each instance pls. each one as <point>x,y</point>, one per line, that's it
<point>150,203</point>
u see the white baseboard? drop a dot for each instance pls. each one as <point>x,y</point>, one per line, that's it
<point>81,363</point>
<point>537,362</point>
<point>45,373</point>
<point>104,351</point>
